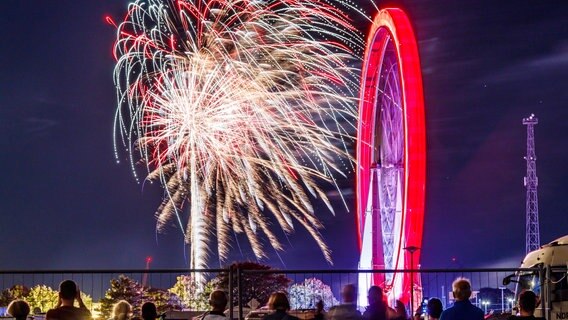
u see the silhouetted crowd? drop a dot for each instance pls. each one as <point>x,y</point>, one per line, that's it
<point>279,307</point>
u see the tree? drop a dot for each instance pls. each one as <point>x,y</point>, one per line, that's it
<point>305,295</point>
<point>186,290</point>
<point>163,299</point>
<point>42,297</point>
<point>257,286</point>
<point>87,300</point>
<point>122,288</point>
<point>15,292</point>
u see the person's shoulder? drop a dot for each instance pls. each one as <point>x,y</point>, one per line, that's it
<point>448,314</point>
<point>478,310</point>
<point>51,312</point>
<point>214,317</point>
<point>55,311</point>
<point>449,310</point>
<point>68,312</point>
<point>269,316</point>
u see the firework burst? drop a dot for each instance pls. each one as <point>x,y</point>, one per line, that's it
<point>237,108</point>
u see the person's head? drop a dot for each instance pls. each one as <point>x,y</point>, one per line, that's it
<point>319,306</point>
<point>218,300</point>
<point>67,290</point>
<point>121,310</point>
<point>400,309</point>
<point>19,309</point>
<point>375,295</point>
<point>149,311</point>
<point>527,302</point>
<point>434,308</point>
<point>461,289</point>
<point>279,301</point>
<point>349,293</point>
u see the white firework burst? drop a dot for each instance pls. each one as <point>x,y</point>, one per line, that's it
<point>238,109</point>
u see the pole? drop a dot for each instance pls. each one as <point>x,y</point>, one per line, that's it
<point>502,299</point>
<point>231,288</point>
<point>412,282</point>
<point>411,249</point>
<point>240,290</point>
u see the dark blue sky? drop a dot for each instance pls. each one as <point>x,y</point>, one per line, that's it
<point>65,203</point>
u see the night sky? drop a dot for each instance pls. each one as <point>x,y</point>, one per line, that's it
<point>66,203</point>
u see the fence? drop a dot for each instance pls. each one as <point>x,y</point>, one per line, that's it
<point>305,287</point>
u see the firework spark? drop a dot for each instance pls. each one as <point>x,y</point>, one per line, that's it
<point>236,107</point>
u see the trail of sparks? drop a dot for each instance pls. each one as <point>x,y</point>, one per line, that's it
<point>238,108</point>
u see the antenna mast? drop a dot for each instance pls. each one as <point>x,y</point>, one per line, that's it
<point>531,183</point>
<point>145,277</point>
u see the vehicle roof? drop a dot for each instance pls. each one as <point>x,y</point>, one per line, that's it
<point>562,241</point>
<point>554,253</point>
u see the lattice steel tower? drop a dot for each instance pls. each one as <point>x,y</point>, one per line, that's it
<point>531,183</point>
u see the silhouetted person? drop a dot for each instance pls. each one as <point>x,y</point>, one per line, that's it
<point>527,305</point>
<point>462,308</point>
<point>377,309</point>
<point>278,302</point>
<point>400,311</point>
<point>218,301</point>
<point>65,310</point>
<point>319,311</point>
<point>149,311</point>
<point>348,309</point>
<point>122,310</point>
<point>434,309</point>
<point>19,309</point>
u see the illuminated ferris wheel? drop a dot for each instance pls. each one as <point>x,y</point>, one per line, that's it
<point>391,157</point>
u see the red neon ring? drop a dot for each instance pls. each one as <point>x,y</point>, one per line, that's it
<point>396,23</point>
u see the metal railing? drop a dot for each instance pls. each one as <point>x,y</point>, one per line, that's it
<point>432,283</point>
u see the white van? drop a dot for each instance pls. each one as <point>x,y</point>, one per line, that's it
<point>550,281</point>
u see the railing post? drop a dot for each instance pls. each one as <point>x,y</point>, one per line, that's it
<point>548,285</point>
<point>231,288</point>
<point>240,291</point>
<point>542,274</point>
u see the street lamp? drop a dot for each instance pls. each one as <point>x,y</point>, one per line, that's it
<point>502,299</point>
<point>485,303</point>
<point>512,301</point>
<point>411,249</point>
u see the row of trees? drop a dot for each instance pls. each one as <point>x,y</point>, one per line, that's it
<point>186,293</point>
<point>40,298</point>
